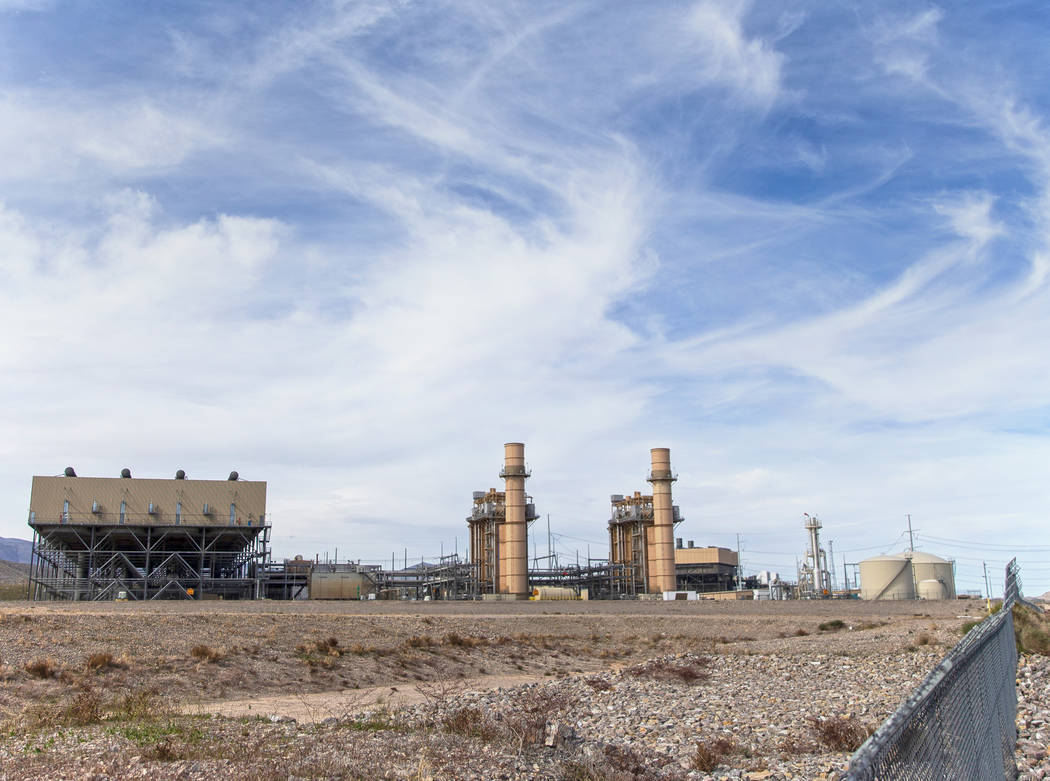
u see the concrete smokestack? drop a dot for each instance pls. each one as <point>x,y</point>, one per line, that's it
<point>661,542</point>
<point>514,576</point>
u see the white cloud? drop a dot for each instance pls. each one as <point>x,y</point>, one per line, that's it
<point>727,56</point>
<point>970,216</point>
<point>63,137</point>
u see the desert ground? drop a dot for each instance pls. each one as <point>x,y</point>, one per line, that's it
<point>558,690</point>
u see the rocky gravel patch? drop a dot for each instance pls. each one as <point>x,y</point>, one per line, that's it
<point>1033,717</point>
<point>741,694</point>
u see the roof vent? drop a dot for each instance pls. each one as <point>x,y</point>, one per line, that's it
<point>233,476</point>
<point>125,472</point>
<point>70,472</point>
<point>180,475</point>
<point>206,510</point>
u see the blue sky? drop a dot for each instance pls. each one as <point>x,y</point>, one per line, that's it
<point>351,249</point>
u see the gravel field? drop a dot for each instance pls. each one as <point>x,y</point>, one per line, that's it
<point>422,690</point>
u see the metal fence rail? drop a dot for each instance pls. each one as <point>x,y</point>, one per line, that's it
<point>960,723</point>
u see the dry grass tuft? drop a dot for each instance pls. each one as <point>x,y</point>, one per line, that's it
<point>687,669</point>
<point>1031,631</point>
<point>102,661</point>
<point>42,668</point>
<point>834,625</point>
<point>709,753</point>
<point>206,653</point>
<point>598,684</point>
<point>839,733</point>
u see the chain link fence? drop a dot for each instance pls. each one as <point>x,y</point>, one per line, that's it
<point>961,721</point>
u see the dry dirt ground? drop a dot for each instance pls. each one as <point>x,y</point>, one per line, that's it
<point>208,689</point>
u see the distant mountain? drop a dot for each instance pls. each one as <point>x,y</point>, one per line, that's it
<point>13,549</point>
<point>13,574</point>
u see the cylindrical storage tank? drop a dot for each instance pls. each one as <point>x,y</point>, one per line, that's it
<point>932,589</point>
<point>553,592</point>
<point>886,577</point>
<point>926,566</point>
<point>340,585</point>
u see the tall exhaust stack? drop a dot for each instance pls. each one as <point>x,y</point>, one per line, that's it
<point>514,576</point>
<point>661,544</point>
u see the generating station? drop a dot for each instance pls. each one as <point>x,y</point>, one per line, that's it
<point>123,538</point>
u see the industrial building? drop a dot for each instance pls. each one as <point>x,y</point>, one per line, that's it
<point>909,575</point>
<point>704,569</point>
<point>99,538</point>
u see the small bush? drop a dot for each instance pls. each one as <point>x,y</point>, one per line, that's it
<point>710,753</point>
<point>101,661</point>
<point>839,733</point>
<point>1031,631</point>
<point>598,684</point>
<point>832,626</point>
<point>923,638</point>
<point>687,669</point>
<point>419,642</point>
<point>459,641</point>
<point>800,632</point>
<point>41,668</point>
<point>206,653</point>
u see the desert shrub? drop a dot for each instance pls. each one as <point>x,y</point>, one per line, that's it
<point>1031,631</point>
<point>141,704</point>
<point>102,661</point>
<point>419,642</point>
<point>206,653</point>
<point>710,753</point>
<point>793,745</point>
<point>470,722</point>
<point>459,641</point>
<point>615,763</point>
<point>598,684</point>
<point>88,706</point>
<point>832,626</point>
<point>688,669</point>
<point>800,632</point>
<point>41,668</point>
<point>923,638</point>
<point>623,759</point>
<point>839,733</point>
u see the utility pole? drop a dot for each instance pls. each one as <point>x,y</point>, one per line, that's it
<point>911,538</point>
<point>987,588</point>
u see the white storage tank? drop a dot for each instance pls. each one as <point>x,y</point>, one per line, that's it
<point>932,589</point>
<point>926,566</point>
<point>886,577</point>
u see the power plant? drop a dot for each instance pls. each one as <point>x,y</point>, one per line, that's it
<point>128,538</point>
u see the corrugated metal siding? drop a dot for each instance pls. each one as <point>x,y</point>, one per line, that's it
<point>49,495</point>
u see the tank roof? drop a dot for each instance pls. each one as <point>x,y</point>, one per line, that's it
<point>924,558</point>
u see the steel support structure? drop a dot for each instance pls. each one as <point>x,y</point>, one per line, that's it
<point>81,562</point>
